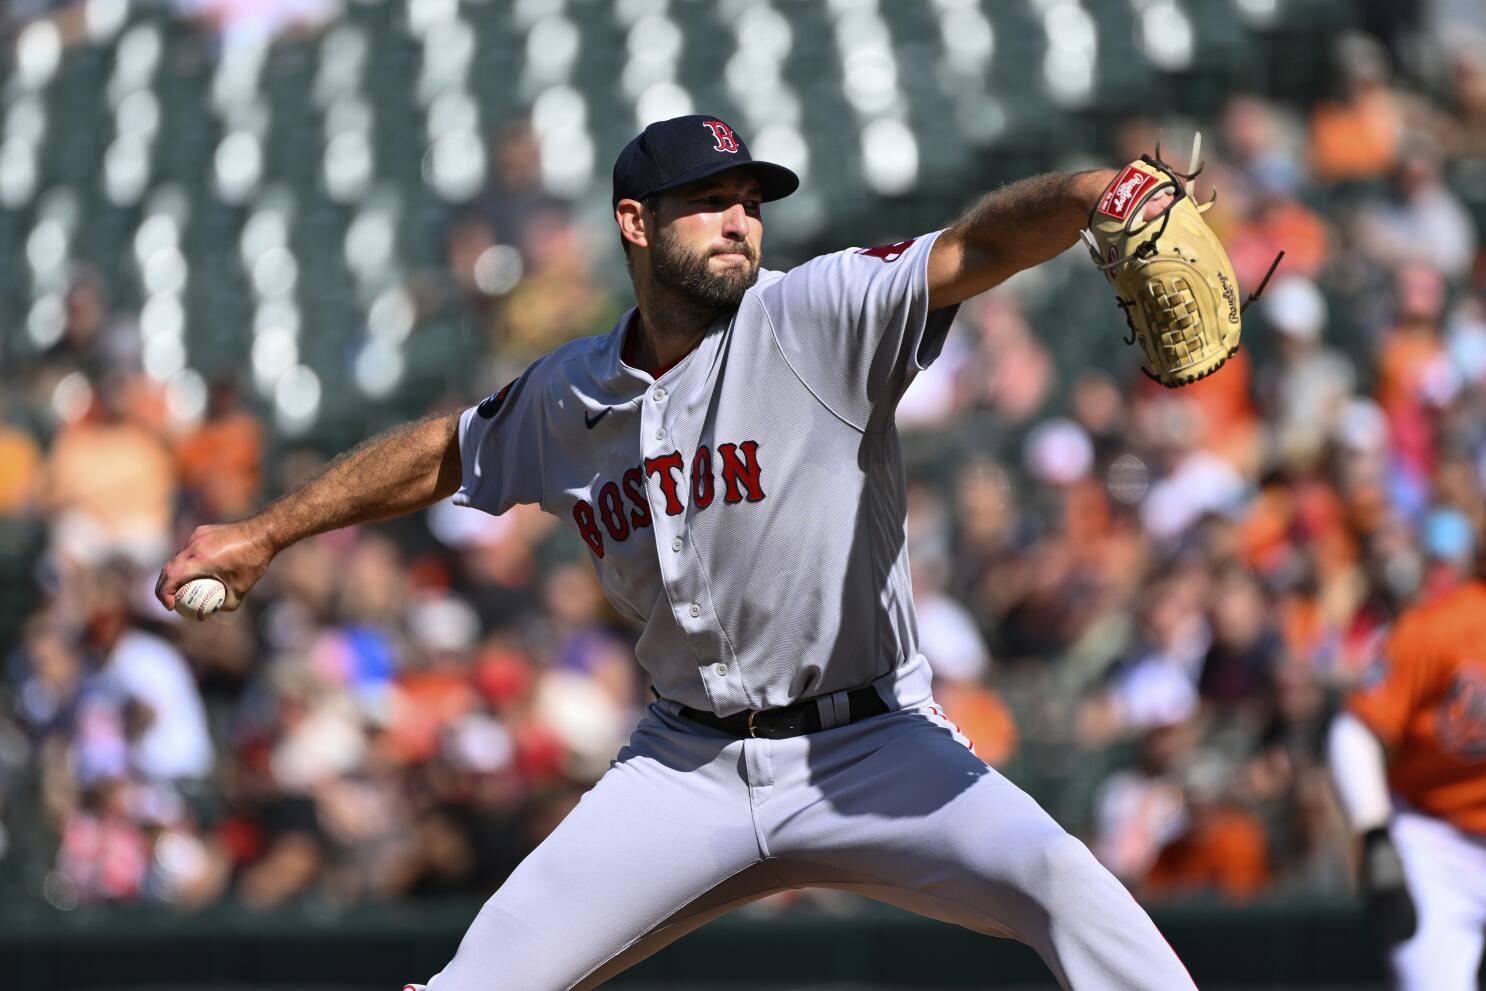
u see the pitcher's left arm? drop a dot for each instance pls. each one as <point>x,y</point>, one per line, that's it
<point>1015,227</point>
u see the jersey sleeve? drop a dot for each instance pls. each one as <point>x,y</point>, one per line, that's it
<point>500,447</point>
<point>1399,680</point>
<point>856,326</point>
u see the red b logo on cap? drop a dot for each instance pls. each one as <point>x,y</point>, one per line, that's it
<point>723,135</point>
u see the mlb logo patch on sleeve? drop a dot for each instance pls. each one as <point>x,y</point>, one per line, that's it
<point>1125,192</point>
<point>889,252</point>
<point>491,406</point>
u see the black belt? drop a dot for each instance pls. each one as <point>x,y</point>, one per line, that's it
<point>790,720</point>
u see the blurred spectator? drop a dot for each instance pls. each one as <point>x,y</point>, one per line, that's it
<point>1358,135</point>
<point>1160,675</point>
<point>104,854</point>
<point>1467,138</point>
<point>221,461</point>
<point>1306,389</point>
<point>1014,373</point>
<point>93,340</point>
<point>293,855</point>
<point>1283,781</point>
<point>157,702</point>
<point>1423,222</point>
<point>1138,811</point>
<point>560,298</point>
<point>1238,666</point>
<point>949,638</point>
<point>1414,375</point>
<point>1195,481</point>
<point>1219,851</point>
<point>515,197</point>
<point>1100,409</point>
<point>110,483</point>
<point>1449,550</point>
<point>1264,145</point>
<point>20,470</point>
<point>588,694</point>
<point>1164,826</point>
<point>1264,218</point>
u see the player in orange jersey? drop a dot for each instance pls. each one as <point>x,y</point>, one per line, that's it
<point>1408,755</point>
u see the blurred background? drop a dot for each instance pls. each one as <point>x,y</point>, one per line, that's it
<point>239,236</point>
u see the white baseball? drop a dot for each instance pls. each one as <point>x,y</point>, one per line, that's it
<point>200,597</point>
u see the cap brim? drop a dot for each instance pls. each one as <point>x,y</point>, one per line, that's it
<point>775,181</point>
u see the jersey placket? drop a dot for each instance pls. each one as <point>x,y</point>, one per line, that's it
<point>668,425</point>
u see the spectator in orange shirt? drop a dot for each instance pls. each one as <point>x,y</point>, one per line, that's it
<point>1357,136</point>
<point>1412,369</point>
<point>20,470</point>
<point>1261,217</point>
<point>1222,851</point>
<point>1162,825</point>
<point>221,462</point>
<point>110,484</point>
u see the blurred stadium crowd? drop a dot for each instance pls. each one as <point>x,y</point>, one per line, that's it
<point>1142,605</point>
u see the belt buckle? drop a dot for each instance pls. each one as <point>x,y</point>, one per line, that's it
<point>752,730</point>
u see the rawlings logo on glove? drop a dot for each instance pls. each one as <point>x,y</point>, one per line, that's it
<point>1124,191</point>
<point>1172,278</point>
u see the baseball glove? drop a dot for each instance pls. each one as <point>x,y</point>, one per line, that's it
<point>1172,277</point>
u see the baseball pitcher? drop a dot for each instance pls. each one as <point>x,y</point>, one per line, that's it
<point>728,456</point>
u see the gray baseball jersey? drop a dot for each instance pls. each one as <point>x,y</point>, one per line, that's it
<point>747,506</point>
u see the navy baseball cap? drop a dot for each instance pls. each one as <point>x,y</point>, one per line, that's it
<point>673,152</point>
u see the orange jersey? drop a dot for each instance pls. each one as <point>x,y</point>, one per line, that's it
<point>1426,700</point>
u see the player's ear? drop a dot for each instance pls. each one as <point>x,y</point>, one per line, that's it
<point>634,222</point>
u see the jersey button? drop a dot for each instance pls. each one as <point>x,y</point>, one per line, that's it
<point>660,434</point>
<point>720,669</point>
<point>676,544</point>
<point>695,610</point>
<point>660,393</point>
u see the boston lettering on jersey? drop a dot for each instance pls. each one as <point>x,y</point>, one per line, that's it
<point>623,507</point>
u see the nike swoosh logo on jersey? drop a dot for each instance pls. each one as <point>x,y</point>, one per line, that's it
<point>592,421</point>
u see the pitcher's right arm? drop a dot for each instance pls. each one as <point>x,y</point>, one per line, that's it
<point>402,470</point>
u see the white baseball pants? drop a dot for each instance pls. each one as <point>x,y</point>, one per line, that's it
<point>1446,873</point>
<point>688,824</point>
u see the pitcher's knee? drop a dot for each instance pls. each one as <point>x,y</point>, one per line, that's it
<point>1062,864</point>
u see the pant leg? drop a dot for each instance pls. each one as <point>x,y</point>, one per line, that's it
<point>900,809</point>
<point>662,843</point>
<point>1446,876</point>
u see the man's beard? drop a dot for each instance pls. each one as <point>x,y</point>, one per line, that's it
<point>687,272</point>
